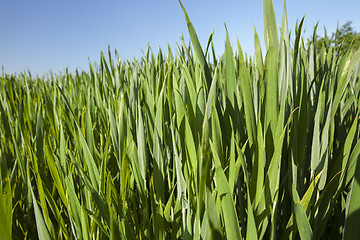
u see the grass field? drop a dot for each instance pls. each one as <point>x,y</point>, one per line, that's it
<point>184,145</point>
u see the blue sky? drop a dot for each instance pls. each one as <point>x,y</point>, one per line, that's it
<point>48,35</point>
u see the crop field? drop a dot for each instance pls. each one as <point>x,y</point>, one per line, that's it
<point>186,145</point>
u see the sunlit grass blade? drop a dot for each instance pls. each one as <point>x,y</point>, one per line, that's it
<point>214,218</point>
<point>305,202</point>
<point>302,222</point>
<point>351,228</point>
<point>230,82</point>
<point>141,145</point>
<point>40,222</point>
<point>230,217</point>
<point>272,91</point>
<point>270,26</point>
<point>5,201</point>
<point>258,53</point>
<point>89,160</point>
<point>197,47</point>
<point>248,98</point>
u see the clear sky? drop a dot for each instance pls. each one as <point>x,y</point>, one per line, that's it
<point>41,35</point>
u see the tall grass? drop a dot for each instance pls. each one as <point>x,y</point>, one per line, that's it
<point>186,145</point>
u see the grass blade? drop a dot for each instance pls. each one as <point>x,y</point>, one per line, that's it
<point>270,26</point>
<point>302,222</point>
<point>198,50</point>
<point>5,201</point>
<point>351,229</point>
<point>227,204</point>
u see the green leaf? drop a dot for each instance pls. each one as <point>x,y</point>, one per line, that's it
<point>251,231</point>
<point>141,147</point>
<point>302,221</point>
<point>42,230</point>
<point>232,227</point>
<point>190,147</point>
<point>284,56</point>
<point>74,206</point>
<point>214,218</point>
<point>305,201</point>
<point>198,50</point>
<point>5,201</point>
<point>272,89</point>
<point>248,98</point>
<point>54,172</point>
<point>114,229</point>
<point>351,229</point>
<point>208,43</point>
<point>259,165</point>
<point>258,53</point>
<point>88,158</point>
<point>230,80</point>
<point>270,26</point>
<point>158,150</point>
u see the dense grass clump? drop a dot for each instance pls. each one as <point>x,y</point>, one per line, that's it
<point>173,147</point>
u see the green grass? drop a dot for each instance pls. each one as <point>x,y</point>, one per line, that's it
<point>186,145</point>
